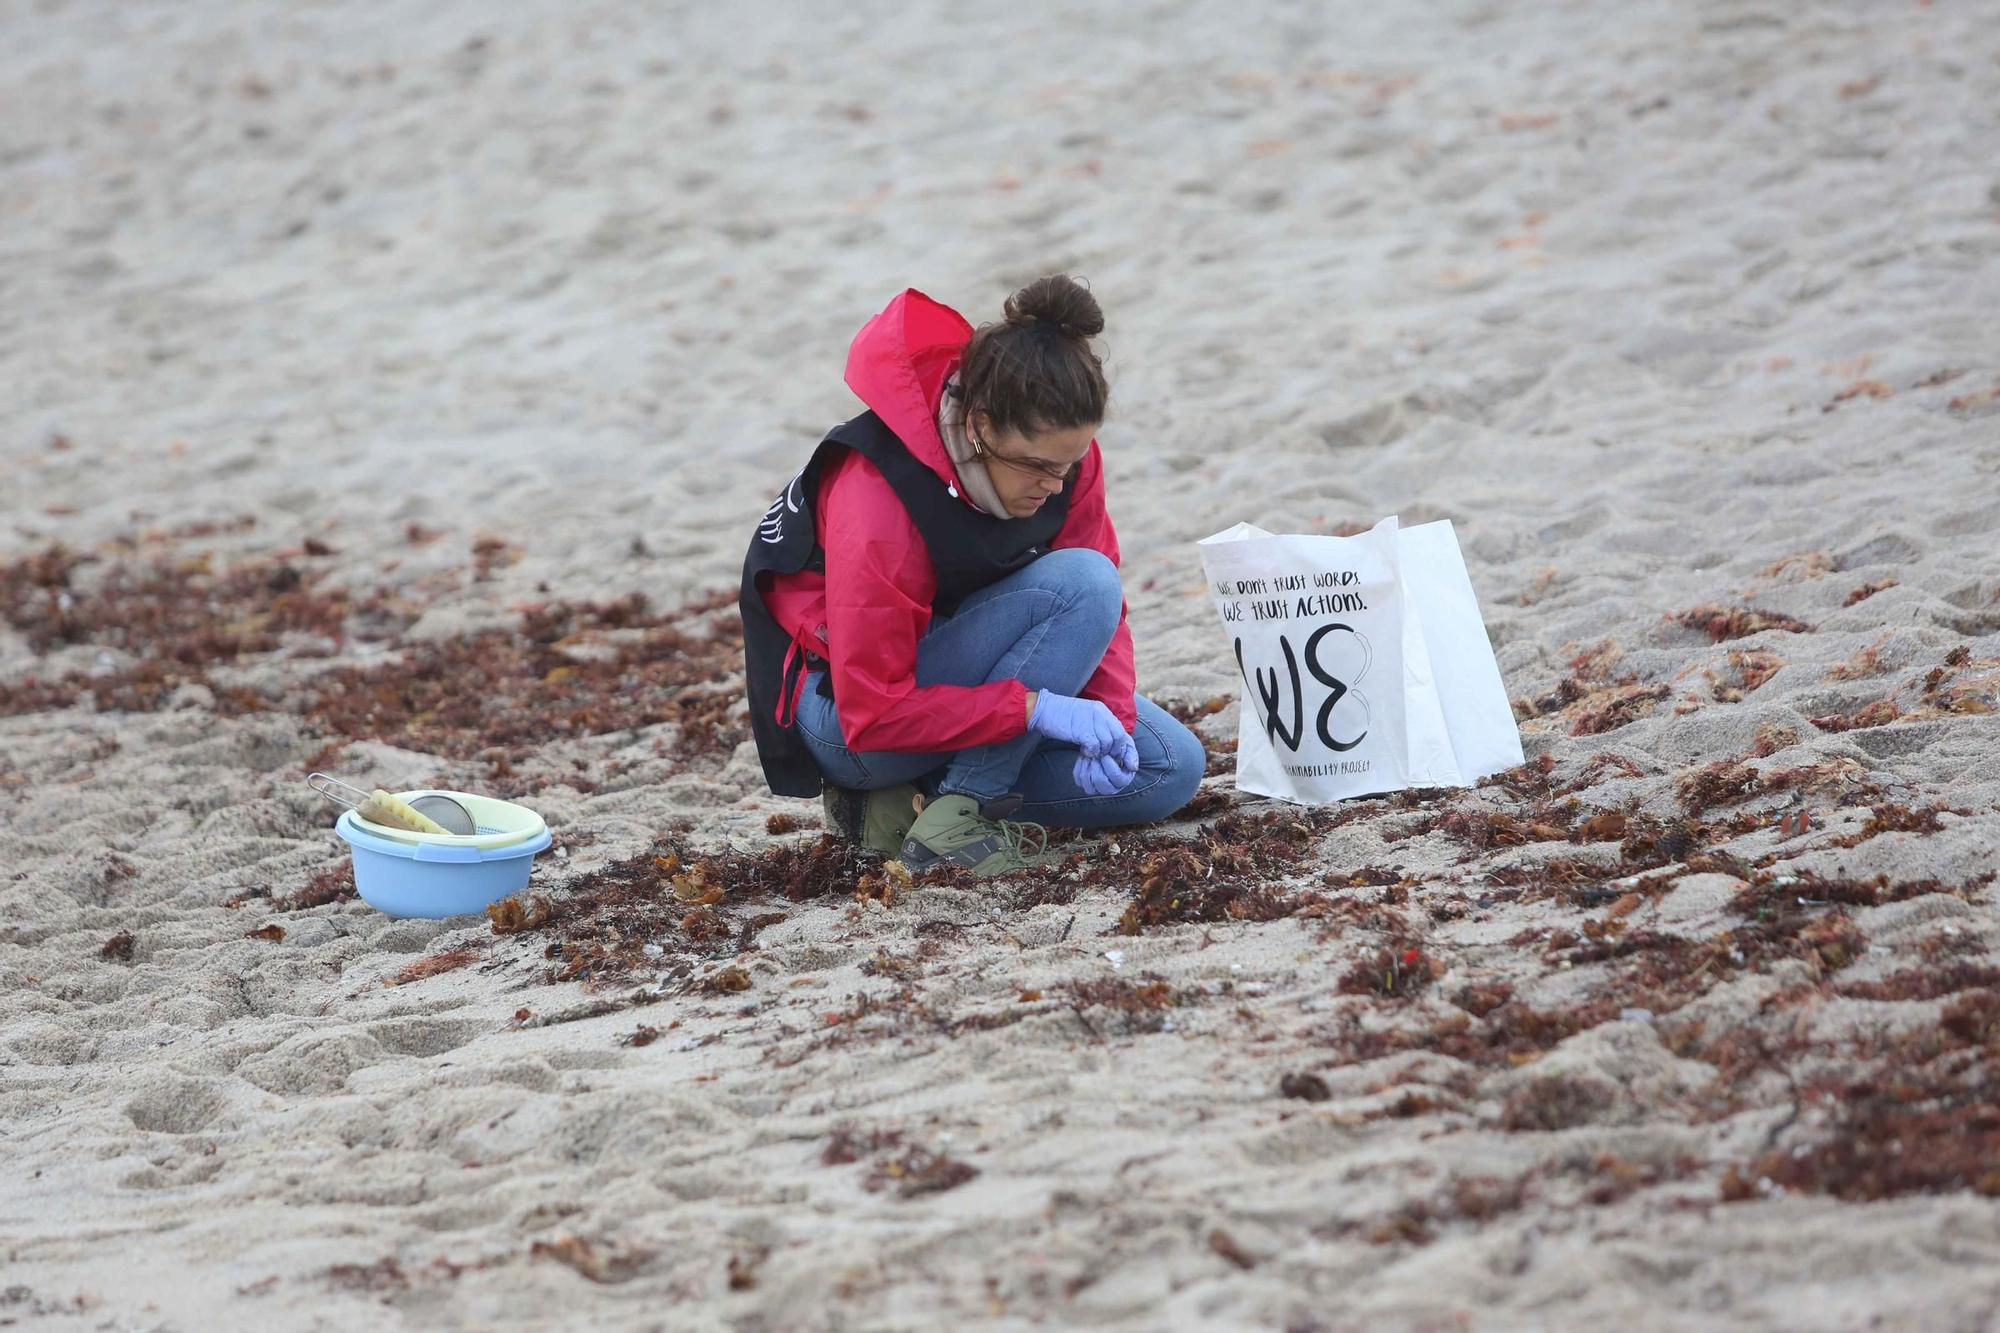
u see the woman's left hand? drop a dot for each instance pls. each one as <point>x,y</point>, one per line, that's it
<point>1109,774</point>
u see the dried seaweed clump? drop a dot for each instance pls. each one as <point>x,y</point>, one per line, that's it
<point>1753,667</point>
<point>571,670</point>
<point>1509,1034</point>
<point>885,885</point>
<point>31,590</point>
<point>1930,981</point>
<point>1736,622</point>
<point>1960,686</point>
<point>1660,972</point>
<point>335,884</point>
<point>800,871</point>
<point>1877,714</point>
<point>384,1276</point>
<point>726,981</point>
<point>1220,751</point>
<point>1481,829</point>
<point>1865,662</point>
<point>907,1169</point>
<point>1782,926</point>
<point>1604,826</point>
<point>1473,1199</point>
<point>1809,887</point>
<point>174,618</point>
<point>596,1261</point>
<point>519,914</point>
<point>1841,780</point>
<point>1189,712</point>
<point>1556,1101</point>
<point>1591,709</point>
<point>1595,770</point>
<point>1397,971</point>
<point>1590,698</point>
<point>1801,565</point>
<point>1139,1006</point>
<point>1646,969</point>
<point>1481,998</point>
<point>1723,782</point>
<point>1923,1123</point>
<point>1226,873</point>
<point>1771,738</point>
<point>432,965</point>
<point>176,609</point>
<point>1891,817</point>
<point>610,915</point>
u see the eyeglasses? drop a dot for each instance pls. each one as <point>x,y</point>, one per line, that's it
<point>1032,466</point>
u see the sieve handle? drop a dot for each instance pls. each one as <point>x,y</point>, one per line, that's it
<point>325,785</point>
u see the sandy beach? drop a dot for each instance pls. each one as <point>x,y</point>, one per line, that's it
<point>392,390</point>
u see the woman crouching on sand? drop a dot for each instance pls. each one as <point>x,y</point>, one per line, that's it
<point>933,625</point>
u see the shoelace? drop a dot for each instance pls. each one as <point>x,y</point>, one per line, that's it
<point>1018,833</point>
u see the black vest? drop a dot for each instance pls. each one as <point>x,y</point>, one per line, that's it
<point>968,549</point>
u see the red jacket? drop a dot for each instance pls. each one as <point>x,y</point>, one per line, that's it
<point>866,613</point>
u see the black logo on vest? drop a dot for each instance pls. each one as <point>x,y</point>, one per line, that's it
<point>772,529</point>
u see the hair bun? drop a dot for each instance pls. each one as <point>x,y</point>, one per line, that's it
<point>1058,301</point>
<point>1028,383</point>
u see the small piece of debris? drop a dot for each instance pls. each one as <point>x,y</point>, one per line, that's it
<point>1225,1245</point>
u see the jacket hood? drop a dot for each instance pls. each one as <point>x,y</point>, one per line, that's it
<point>898,363</point>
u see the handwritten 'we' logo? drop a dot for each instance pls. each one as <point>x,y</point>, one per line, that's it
<point>1337,656</point>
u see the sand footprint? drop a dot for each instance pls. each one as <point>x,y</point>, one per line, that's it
<point>427,1036</point>
<point>173,1173</point>
<point>176,1106</point>
<point>311,1064</point>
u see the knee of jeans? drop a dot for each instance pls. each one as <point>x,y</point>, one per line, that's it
<point>1187,763</point>
<point>1087,580</point>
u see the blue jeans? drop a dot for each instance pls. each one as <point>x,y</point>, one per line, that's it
<point>1046,625</point>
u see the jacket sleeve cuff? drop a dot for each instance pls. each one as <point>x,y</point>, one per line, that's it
<point>1020,712</point>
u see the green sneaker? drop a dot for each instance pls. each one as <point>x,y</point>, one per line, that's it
<point>878,820</point>
<point>952,830</point>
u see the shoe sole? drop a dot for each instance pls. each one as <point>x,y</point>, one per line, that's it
<point>915,856</point>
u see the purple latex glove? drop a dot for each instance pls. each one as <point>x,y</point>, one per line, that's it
<point>1107,774</point>
<point>1084,723</point>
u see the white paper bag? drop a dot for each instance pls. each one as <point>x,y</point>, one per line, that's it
<point>1364,661</point>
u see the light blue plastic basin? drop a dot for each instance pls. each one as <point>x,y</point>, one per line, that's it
<point>429,880</point>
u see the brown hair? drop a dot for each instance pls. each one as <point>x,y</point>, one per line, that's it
<point>1034,371</point>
